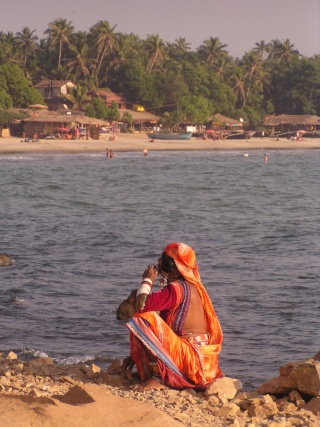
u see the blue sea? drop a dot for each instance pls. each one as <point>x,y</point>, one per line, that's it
<point>82,229</point>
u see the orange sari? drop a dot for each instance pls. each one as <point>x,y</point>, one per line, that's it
<point>180,363</point>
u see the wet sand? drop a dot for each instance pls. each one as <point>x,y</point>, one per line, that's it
<point>140,141</point>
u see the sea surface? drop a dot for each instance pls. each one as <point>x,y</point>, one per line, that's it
<point>82,228</point>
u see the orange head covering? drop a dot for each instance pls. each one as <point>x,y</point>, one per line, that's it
<point>185,260</point>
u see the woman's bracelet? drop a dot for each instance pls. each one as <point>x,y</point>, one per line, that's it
<point>144,288</point>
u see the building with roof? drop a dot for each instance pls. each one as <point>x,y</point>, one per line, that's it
<point>54,88</point>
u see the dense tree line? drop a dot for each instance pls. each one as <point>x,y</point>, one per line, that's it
<point>168,79</point>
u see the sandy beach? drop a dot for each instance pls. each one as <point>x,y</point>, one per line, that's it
<point>140,141</point>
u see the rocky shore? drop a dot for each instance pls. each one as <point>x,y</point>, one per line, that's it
<point>41,393</point>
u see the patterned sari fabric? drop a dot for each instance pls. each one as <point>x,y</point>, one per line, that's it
<point>181,363</point>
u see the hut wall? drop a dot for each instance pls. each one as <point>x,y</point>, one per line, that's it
<point>30,128</point>
<point>94,131</point>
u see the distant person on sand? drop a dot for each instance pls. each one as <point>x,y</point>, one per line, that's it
<point>145,152</point>
<point>107,153</point>
<point>265,157</point>
<point>110,154</point>
<point>179,347</point>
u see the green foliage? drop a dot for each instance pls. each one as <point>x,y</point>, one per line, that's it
<point>127,117</point>
<point>79,97</point>
<point>159,75</point>
<point>113,113</point>
<point>5,100</point>
<point>99,108</point>
<point>90,111</point>
<point>18,89</point>
<point>7,116</point>
<point>195,109</point>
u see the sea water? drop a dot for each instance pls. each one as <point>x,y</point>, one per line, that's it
<point>82,229</point>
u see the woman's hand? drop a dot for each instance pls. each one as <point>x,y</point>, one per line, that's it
<point>151,272</point>
<point>140,301</point>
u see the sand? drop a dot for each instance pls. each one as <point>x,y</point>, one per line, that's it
<point>140,141</point>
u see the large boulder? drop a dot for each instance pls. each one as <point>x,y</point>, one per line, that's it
<point>301,376</point>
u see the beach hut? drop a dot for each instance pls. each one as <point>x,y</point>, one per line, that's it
<point>218,121</point>
<point>291,122</point>
<point>142,120</point>
<point>48,123</point>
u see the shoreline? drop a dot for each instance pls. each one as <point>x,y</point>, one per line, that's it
<point>39,392</point>
<point>137,142</point>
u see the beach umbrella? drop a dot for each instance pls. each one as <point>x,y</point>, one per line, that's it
<point>302,131</point>
<point>63,130</point>
<point>210,131</point>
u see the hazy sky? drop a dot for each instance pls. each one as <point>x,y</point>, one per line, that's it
<point>238,23</point>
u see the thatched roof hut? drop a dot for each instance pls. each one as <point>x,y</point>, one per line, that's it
<point>218,120</point>
<point>142,116</point>
<point>47,122</point>
<point>291,121</point>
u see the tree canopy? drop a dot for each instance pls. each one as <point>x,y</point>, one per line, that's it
<point>169,79</point>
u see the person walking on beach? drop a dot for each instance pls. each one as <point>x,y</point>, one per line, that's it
<point>179,347</point>
<point>145,152</point>
<point>265,157</point>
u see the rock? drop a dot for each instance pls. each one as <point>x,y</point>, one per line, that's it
<point>95,369</point>
<point>40,362</point>
<point>296,398</point>
<point>287,407</point>
<point>224,388</point>
<point>313,405</point>
<point>303,377</point>
<point>263,411</point>
<point>76,396</point>
<point>227,410</point>
<point>12,356</point>
<point>126,309</point>
<point>115,367</point>
<point>5,260</point>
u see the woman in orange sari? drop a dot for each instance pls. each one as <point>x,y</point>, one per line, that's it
<point>179,347</point>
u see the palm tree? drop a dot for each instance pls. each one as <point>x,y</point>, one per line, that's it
<point>92,84</point>
<point>181,47</point>
<point>80,62</point>
<point>106,39</point>
<point>262,49</point>
<point>155,48</point>
<point>59,33</point>
<point>79,97</point>
<point>222,67</point>
<point>26,42</point>
<point>212,49</point>
<point>239,87</point>
<point>285,53</point>
<point>125,49</point>
<point>7,48</point>
<point>252,63</point>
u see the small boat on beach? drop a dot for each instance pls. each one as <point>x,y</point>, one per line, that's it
<point>170,136</point>
<point>239,135</point>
